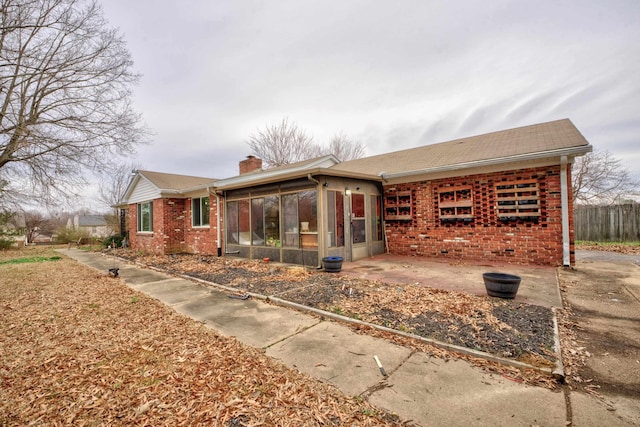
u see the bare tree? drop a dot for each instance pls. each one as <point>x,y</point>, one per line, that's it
<point>599,178</point>
<point>65,95</point>
<point>114,182</point>
<point>345,148</point>
<point>34,224</point>
<point>283,144</point>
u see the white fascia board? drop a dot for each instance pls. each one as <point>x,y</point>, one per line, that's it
<point>127,193</point>
<point>197,188</point>
<point>570,152</point>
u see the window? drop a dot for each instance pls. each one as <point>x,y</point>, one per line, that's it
<point>145,217</point>
<point>290,220</point>
<point>238,230</point>
<point>257,221</point>
<point>272,221</point>
<point>358,230</point>
<point>232,222</point>
<point>244,226</point>
<point>308,216</point>
<point>200,212</point>
<point>335,202</point>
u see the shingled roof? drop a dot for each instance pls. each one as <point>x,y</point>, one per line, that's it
<point>511,144</point>
<point>170,181</point>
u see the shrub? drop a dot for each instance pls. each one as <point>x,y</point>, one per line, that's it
<point>70,235</point>
<point>6,243</point>
<point>116,241</point>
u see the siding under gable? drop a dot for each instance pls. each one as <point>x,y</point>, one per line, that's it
<point>143,192</point>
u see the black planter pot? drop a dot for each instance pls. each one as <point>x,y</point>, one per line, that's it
<point>501,285</point>
<point>332,264</point>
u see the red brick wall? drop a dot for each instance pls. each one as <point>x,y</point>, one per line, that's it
<point>201,239</point>
<point>172,230</point>
<point>250,164</point>
<point>486,237</point>
<point>148,242</point>
<point>174,214</point>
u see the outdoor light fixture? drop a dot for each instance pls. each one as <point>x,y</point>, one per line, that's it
<point>347,191</point>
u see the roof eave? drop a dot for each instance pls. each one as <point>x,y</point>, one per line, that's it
<point>294,175</point>
<point>268,176</point>
<point>574,151</point>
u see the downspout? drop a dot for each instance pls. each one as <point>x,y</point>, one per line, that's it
<point>218,225</point>
<point>564,201</point>
<point>320,223</point>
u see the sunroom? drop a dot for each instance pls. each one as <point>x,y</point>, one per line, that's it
<point>300,214</point>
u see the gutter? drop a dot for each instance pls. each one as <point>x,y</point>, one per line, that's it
<point>489,162</point>
<point>564,203</point>
<point>218,232</point>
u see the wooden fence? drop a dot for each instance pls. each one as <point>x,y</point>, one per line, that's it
<point>616,223</point>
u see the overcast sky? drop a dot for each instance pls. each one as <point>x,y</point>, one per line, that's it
<point>391,74</point>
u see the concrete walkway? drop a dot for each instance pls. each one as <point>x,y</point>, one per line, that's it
<point>426,390</point>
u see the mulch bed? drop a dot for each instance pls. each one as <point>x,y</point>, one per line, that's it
<point>501,327</point>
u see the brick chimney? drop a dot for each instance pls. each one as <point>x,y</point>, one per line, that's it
<point>250,164</point>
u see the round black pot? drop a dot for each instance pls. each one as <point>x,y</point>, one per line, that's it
<point>501,285</point>
<point>332,264</point>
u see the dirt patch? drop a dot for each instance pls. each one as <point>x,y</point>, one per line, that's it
<point>601,339</point>
<point>501,327</point>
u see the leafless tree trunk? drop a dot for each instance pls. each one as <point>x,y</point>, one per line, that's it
<point>65,95</point>
<point>600,179</point>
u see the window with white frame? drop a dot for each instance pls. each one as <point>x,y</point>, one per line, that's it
<point>200,211</point>
<point>145,216</point>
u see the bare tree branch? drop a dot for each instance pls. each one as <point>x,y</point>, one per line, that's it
<point>283,144</point>
<point>65,95</point>
<point>35,224</point>
<point>600,179</point>
<point>345,148</point>
<point>114,183</point>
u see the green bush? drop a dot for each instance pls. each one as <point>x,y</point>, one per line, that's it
<point>116,241</point>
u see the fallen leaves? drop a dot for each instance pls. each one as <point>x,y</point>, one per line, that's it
<point>631,248</point>
<point>76,350</point>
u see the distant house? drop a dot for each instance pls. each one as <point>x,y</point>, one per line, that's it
<point>92,225</point>
<point>502,196</point>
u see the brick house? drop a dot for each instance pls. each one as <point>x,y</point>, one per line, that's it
<point>502,196</point>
